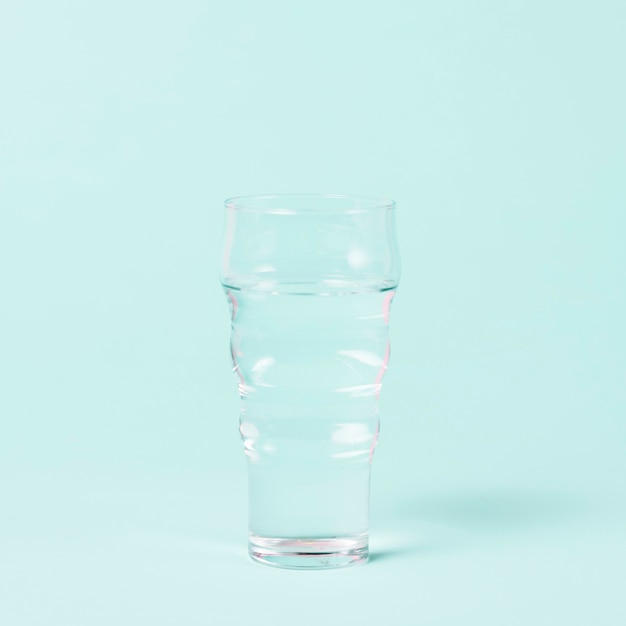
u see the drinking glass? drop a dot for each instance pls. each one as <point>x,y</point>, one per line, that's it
<point>309,279</point>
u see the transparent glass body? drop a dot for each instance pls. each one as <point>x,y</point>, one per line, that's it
<point>309,280</point>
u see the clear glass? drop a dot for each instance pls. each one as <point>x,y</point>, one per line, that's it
<point>309,279</point>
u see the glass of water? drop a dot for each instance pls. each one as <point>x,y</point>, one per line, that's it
<point>309,279</point>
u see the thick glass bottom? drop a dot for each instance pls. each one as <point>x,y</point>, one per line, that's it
<point>309,553</point>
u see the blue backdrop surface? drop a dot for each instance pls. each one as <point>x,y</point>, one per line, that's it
<point>498,493</point>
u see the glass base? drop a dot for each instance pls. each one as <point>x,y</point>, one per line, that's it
<point>318,553</point>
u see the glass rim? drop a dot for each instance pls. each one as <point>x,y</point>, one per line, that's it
<point>353,203</point>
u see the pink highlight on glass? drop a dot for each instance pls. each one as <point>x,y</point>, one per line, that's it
<point>374,441</point>
<point>383,369</point>
<point>233,304</point>
<point>387,305</point>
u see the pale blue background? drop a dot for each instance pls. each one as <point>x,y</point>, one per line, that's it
<point>498,493</point>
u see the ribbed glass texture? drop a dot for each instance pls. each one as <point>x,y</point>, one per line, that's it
<point>309,280</point>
